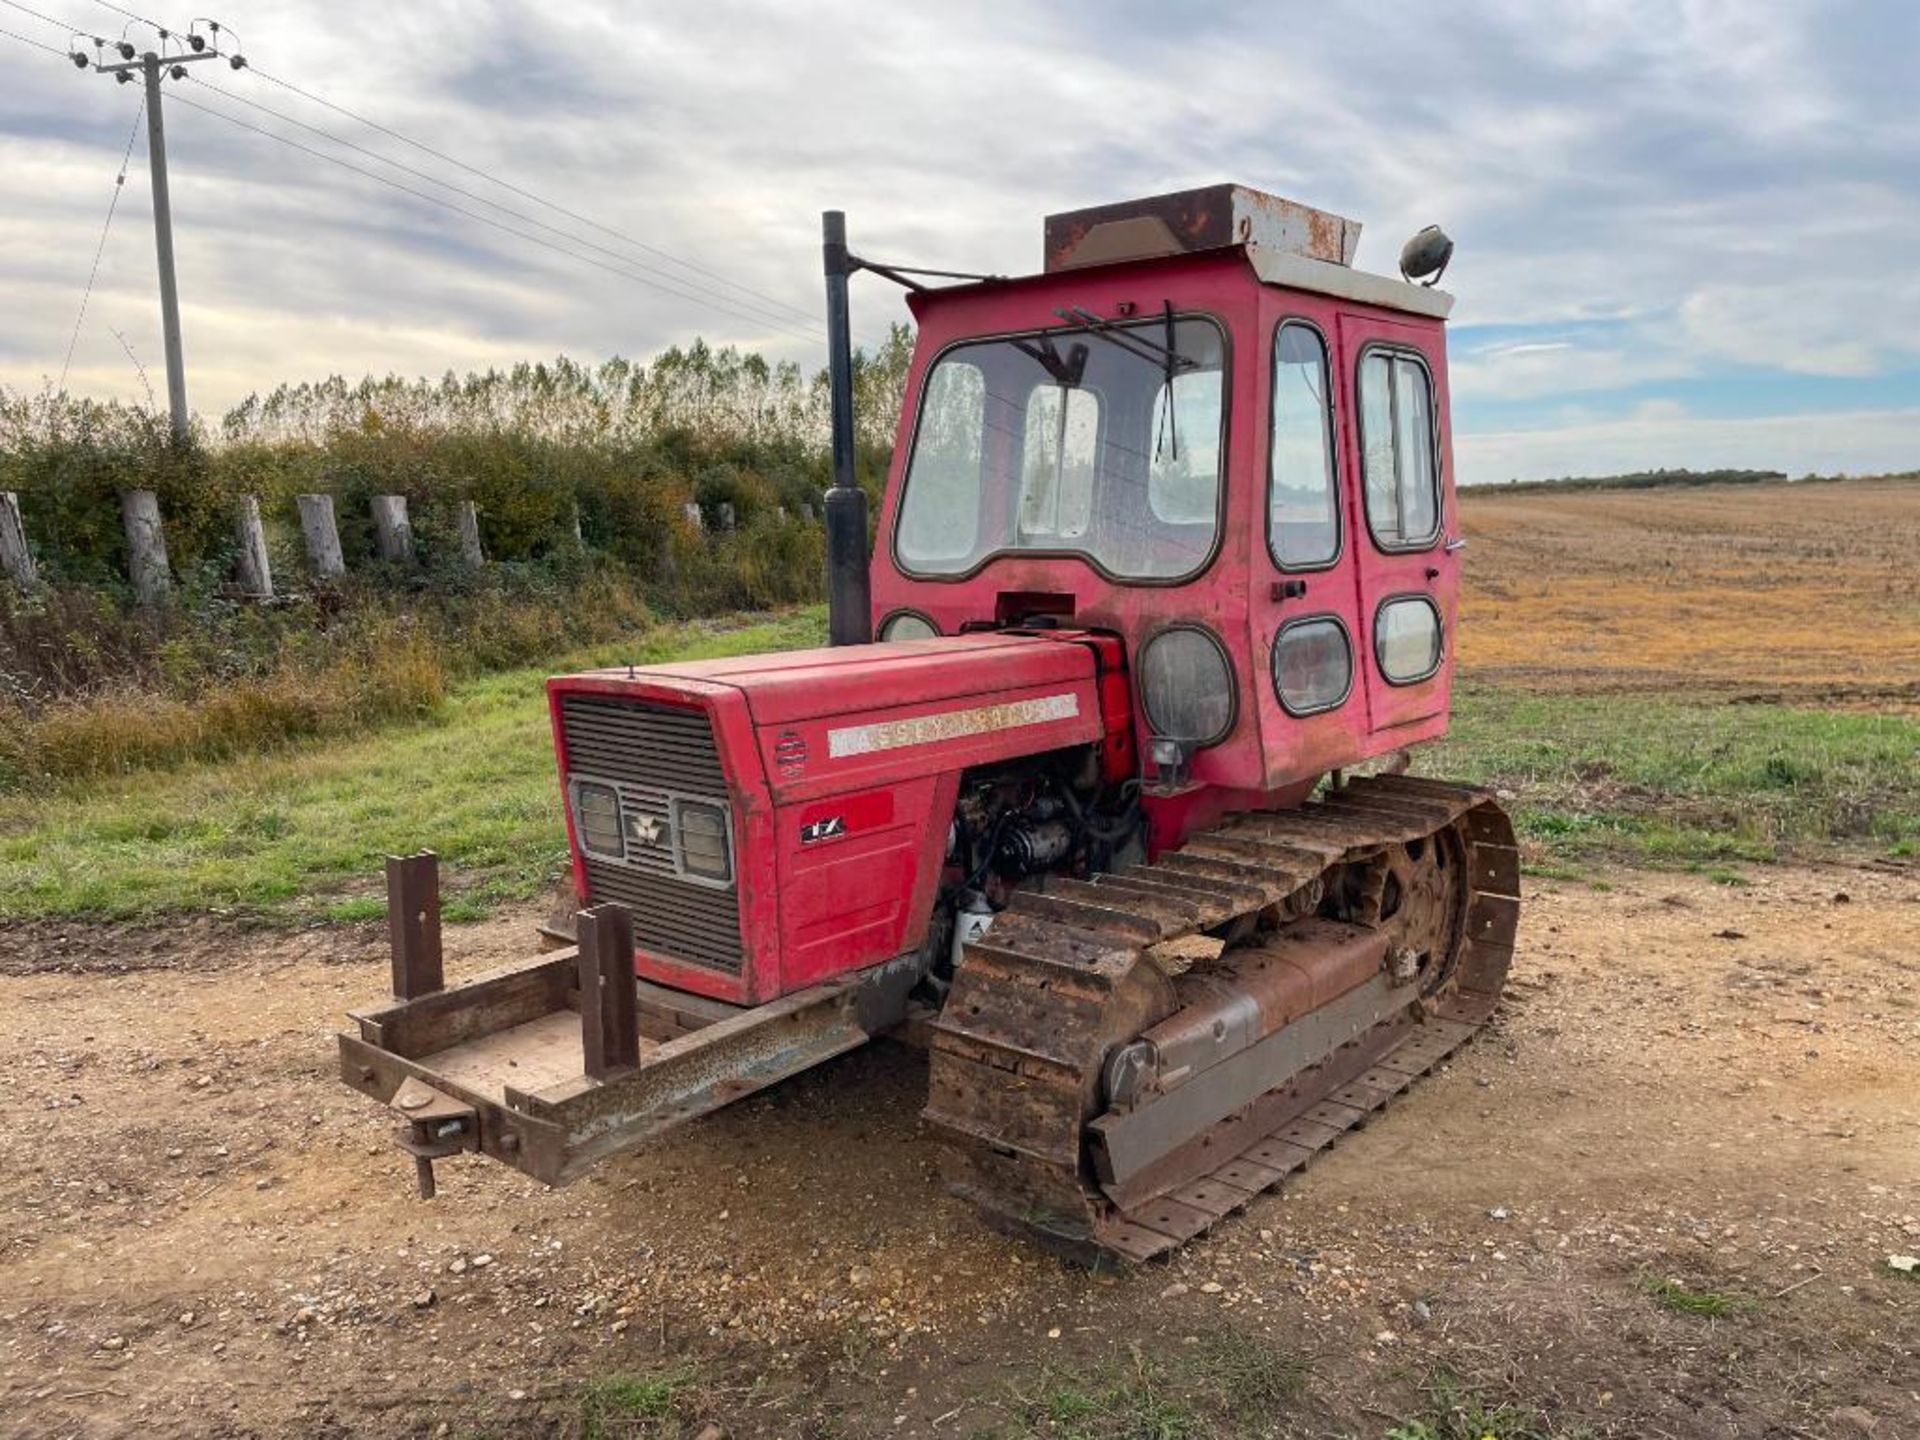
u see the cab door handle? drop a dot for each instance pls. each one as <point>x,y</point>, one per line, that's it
<point>1455,545</point>
<point>1287,590</point>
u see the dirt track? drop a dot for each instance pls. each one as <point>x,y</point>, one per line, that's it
<point>204,1233</point>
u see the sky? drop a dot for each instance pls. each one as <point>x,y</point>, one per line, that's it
<point>1687,229</point>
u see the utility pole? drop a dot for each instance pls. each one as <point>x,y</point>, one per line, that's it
<point>169,61</point>
<point>163,249</point>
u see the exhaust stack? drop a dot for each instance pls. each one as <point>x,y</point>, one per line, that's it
<point>849,596</point>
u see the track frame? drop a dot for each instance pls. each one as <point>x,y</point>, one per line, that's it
<point>1068,973</point>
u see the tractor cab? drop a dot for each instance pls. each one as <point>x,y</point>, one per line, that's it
<point>1201,430</point>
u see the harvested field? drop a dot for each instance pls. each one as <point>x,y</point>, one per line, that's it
<point>1801,592</point>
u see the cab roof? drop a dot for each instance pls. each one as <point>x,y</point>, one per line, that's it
<point>1288,244</point>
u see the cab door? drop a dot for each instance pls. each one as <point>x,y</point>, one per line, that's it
<point>1400,515</point>
<point>1314,706</point>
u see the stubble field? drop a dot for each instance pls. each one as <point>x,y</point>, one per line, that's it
<point>1805,593</point>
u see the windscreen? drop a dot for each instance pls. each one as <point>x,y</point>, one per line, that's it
<point>1097,441</point>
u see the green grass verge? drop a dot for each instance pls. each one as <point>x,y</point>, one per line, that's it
<point>1224,1383</point>
<point>1455,1410</point>
<point>297,835</point>
<point>1665,781</point>
<point>1672,1295</point>
<point>634,1405</point>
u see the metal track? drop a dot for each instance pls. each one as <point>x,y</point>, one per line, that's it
<point>1067,974</point>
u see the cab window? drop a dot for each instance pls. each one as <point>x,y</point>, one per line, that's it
<point>1303,518</point>
<point>1183,481</point>
<point>1105,442</point>
<point>1057,467</point>
<point>1397,450</point>
<point>942,526</point>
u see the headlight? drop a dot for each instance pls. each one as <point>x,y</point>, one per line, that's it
<point>907,625</point>
<point>596,819</point>
<point>702,842</point>
<point>1186,685</point>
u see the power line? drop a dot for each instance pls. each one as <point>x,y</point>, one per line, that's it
<point>482,219</point>
<point>803,314</point>
<point>119,185</point>
<point>776,320</point>
<point>50,19</point>
<point>28,40</point>
<point>441,155</point>
<point>667,283</point>
<point>491,178</point>
<point>130,15</point>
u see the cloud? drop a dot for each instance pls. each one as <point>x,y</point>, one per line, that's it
<point>1824,323</point>
<point>1646,193</point>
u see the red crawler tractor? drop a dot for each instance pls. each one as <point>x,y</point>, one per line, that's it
<point>1168,542</point>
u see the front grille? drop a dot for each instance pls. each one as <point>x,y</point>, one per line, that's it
<point>651,754</point>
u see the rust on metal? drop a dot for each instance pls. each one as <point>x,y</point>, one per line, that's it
<point>609,998</point>
<point>437,1126</point>
<point>1128,1122</point>
<point>1208,218</point>
<point>413,923</point>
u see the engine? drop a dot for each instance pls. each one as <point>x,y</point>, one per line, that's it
<point>1054,814</point>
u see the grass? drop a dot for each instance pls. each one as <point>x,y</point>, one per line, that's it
<point>1671,782</point>
<point>1672,1295</point>
<point>298,835</point>
<point>1455,1410</point>
<point>1224,1383</point>
<point>91,690</point>
<point>634,1405</point>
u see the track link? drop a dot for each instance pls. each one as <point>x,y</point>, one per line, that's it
<point>1068,973</point>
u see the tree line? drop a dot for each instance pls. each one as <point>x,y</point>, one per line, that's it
<point>553,453</point>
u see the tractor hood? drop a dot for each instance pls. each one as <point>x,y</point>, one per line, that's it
<point>800,685</point>
<point>838,718</point>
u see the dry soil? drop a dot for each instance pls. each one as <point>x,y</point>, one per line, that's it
<point>203,1233</point>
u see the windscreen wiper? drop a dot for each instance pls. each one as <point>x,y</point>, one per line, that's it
<point>1141,348</point>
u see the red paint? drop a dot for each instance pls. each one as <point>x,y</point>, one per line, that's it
<point>814,909</point>
<point>1268,750</point>
<point>818,902</point>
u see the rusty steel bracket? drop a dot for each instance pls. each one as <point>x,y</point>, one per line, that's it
<point>413,924</point>
<point>437,1126</point>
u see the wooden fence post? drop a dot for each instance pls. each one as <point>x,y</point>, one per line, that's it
<point>322,536</point>
<point>726,515</point>
<point>256,571</point>
<point>16,559</point>
<point>146,546</point>
<point>579,537</point>
<point>468,518</point>
<point>391,528</point>
<point>694,517</point>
